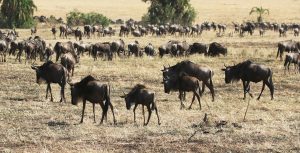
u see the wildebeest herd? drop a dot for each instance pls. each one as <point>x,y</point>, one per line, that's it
<point>185,76</point>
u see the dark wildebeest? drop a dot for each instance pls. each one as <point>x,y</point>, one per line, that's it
<point>90,89</point>
<point>140,95</point>
<point>166,48</point>
<point>48,53</point>
<point>134,49</point>
<point>102,49</point>
<point>88,29</point>
<point>202,73</point>
<point>149,50</point>
<point>288,46</point>
<point>78,34</point>
<point>33,30</point>
<point>4,48</point>
<point>52,73</point>
<point>215,49</point>
<point>291,58</point>
<point>183,83</point>
<point>83,47</point>
<point>199,48</point>
<point>69,61</point>
<point>124,30</point>
<point>261,32</point>
<point>117,47</point>
<point>64,47</point>
<point>179,49</point>
<point>248,71</point>
<point>53,30</point>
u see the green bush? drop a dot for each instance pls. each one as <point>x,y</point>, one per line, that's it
<point>76,18</point>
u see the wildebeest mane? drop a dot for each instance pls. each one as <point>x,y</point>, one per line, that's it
<point>237,70</point>
<point>85,81</point>
<point>137,87</point>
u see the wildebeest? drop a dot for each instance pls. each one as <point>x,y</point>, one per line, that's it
<point>118,46</point>
<point>88,29</point>
<point>134,48</point>
<point>53,30</point>
<point>202,73</point>
<point>48,53</point>
<point>102,49</point>
<point>83,47</point>
<point>215,49</point>
<point>248,71</point>
<point>261,32</point>
<point>52,73</point>
<point>69,61</point>
<point>296,32</point>
<point>140,95</point>
<point>90,89</point>
<point>78,34</point>
<point>166,48</point>
<point>183,83</point>
<point>291,58</point>
<point>149,50</point>
<point>124,30</point>
<point>4,48</point>
<point>282,32</point>
<point>288,46</point>
<point>64,47</point>
<point>199,48</point>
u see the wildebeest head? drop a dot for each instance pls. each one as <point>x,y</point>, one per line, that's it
<point>128,100</point>
<point>75,94</point>
<point>229,74</point>
<point>39,78</point>
<point>169,79</point>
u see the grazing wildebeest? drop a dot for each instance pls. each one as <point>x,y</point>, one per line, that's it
<point>69,61</point>
<point>183,83</point>
<point>53,30</point>
<point>134,49</point>
<point>149,50</point>
<point>118,46</point>
<point>199,48</point>
<point>202,73</point>
<point>83,47</point>
<point>78,34</point>
<point>291,58</point>
<point>63,31</point>
<point>4,48</point>
<point>140,95</point>
<point>52,73</point>
<point>64,47</point>
<point>248,27</point>
<point>288,46</point>
<point>215,49</point>
<point>102,49</point>
<point>166,48</point>
<point>33,30</point>
<point>124,30</point>
<point>90,89</point>
<point>248,71</point>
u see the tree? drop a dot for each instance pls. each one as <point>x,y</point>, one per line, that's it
<point>170,11</point>
<point>18,13</point>
<point>260,11</point>
<point>78,18</point>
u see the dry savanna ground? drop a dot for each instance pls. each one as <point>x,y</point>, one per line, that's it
<point>31,123</point>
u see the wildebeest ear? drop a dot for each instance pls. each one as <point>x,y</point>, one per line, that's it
<point>223,69</point>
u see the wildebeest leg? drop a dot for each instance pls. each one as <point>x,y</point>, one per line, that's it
<point>143,114</point>
<point>149,114</point>
<point>94,112</point>
<point>112,110</point>
<point>198,98</point>
<point>50,92</point>
<point>289,67</point>
<point>210,87</point>
<point>244,88</point>
<point>263,87</point>
<point>248,88</point>
<point>192,100</point>
<point>271,87</point>
<point>47,90</point>
<point>134,112</point>
<point>181,99</point>
<point>62,93</point>
<point>156,111</point>
<point>83,108</point>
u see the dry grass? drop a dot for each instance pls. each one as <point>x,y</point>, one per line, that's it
<point>30,123</point>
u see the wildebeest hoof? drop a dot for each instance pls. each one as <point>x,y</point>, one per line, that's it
<point>190,108</point>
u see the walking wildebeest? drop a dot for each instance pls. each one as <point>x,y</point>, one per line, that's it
<point>183,83</point>
<point>53,30</point>
<point>90,89</point>
<point>52,73</point>
<point>78,34</point>
<point>102,49</point>
<point>288,46</point>
<point>149,50</point>
<point>117,47</point>
<point>202,73</point>
<point>248,71</point>
<point>291,58</point>
<point>140,95</point>
<point>134,49</point>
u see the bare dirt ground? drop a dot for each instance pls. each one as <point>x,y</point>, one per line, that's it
<point>31,123</point>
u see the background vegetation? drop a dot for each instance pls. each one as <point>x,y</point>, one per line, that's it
<point>78,18</point>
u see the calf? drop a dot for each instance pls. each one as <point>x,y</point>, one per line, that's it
<point>291,58</point>
<point>140,95</point>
